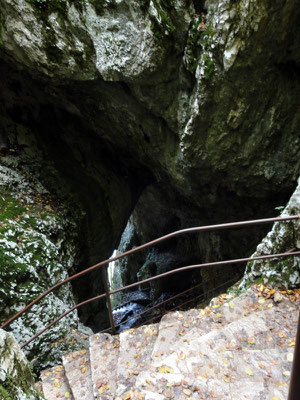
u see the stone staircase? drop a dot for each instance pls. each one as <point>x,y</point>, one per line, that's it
<point>238,348</point>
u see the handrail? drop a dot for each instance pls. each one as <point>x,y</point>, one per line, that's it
<point>294,384</point>
<point>144,246</point>
<point>153,278</point>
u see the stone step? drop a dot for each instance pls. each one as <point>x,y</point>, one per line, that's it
<point>78,372</point>
<point>176,327</point>
<point>55,385</point>
<point>104,354</point>
<point>135,356</point>
<point>245,350</point>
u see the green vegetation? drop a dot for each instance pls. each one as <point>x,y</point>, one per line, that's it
<point>23,381</point>
<point>24,251</point>
<point>9,208</point>
<point>163,26</point>
<point>209,66</point>
<point>198,45</point>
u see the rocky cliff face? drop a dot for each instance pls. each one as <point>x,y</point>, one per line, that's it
<point>38,248</point>
<point>16,379</point>
<point>282,237</point>
<point>189,106</point>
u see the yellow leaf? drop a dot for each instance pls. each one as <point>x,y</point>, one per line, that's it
<point>290,357</point>
<point>286,373</point>
<point>226,380</point>
<point>67,395</point>
<point>275,398</point>
<point>261,301</point>
<point>164,369</point>
<point>231,305</point>
<point>251,340</point>
<point>249,372</point>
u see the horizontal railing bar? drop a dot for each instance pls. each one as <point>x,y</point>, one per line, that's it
<point>144,246</point>
<point>174,271</point>
<point>212,264</point>
<point>62,316</point>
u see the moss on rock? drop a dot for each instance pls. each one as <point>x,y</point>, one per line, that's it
<point>38,246</point>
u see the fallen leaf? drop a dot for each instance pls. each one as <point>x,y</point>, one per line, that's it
<point>249,372</point>
<point>231,305</point>
<point>290,357</point>
<point>286,373</point>
<point>164,369</point>
<point>277,297</point>
<point>67,395</point>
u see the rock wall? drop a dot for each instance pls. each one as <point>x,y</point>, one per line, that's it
<point>191,107</point>
<point>16,379</point>
<point>283,237</point>
<point>38,249</point>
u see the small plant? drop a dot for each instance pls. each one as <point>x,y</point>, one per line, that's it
<point>279,208</point>
<point>209,66</point>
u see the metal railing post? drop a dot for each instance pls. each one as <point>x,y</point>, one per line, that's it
<point>294,389</point>
<point>108,302</point>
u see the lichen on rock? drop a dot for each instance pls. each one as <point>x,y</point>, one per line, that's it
<point>38,248</point>
<point>16,379</point>
<point>283,237</point>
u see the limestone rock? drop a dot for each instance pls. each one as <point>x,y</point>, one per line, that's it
<point>16,379</point>
<point>194,102</point>
<point>284,236</point>
<point>38,241</point>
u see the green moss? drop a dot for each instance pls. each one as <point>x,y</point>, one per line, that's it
<point>24,381</point>
<point>197,43</point>
<point>209,66</point>
<point>9,208</point>
<point>164,26</point>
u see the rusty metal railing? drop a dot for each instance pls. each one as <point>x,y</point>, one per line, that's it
<point>153,278</point>
<point>294,385</point>
<point>206,228</point>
